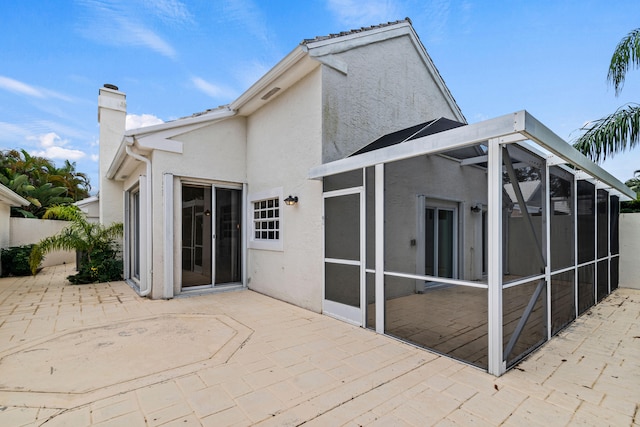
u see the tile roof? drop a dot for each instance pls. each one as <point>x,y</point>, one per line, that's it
<point>359,30</point>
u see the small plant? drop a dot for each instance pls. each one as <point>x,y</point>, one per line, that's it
<point>99,260</point>
<point>15,260</point>
<point>104,266</point>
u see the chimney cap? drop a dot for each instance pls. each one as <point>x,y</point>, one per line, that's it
<point>110,86</point>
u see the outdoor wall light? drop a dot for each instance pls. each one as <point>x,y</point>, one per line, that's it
<point>290,201</point>
<point>207,212</point>
<point>476,208</point>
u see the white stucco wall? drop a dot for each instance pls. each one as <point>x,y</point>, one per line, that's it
<point>629,250</point>
<point>212,154</point>
<point>443,183</point>
<point>91,211</point>
<point>5,213</point>
<point>387,88</point>
<point>283,143</point>
<point>215,154</point>
<point>111,116</point>
<point>25,231</point>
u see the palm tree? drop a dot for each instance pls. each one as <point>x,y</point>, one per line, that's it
<point>634,183</point>
<point>621,130</point>
<point>38,180</point>
<point>94,241</point>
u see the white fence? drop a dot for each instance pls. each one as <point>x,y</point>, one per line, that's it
<point>25,231</point>
<point>630,250</point>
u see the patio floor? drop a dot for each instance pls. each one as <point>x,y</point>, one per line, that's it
<point>101,355</point>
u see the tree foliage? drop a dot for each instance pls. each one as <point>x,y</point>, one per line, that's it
<point>619,131</point>
<point>627,54</point>
<point>38,180</point>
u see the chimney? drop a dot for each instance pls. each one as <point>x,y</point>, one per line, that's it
<point>112,111</point>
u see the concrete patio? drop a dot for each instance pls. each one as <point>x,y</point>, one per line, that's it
<point>101,355</point>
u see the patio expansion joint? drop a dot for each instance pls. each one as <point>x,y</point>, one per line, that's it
<point>225,341</point>
<point>281,415</point>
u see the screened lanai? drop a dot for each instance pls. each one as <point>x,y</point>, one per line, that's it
<point>479,242</point>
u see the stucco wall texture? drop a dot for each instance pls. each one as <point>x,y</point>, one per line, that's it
<point>629,250</point>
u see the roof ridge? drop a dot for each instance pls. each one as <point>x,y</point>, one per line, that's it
<point>355,31</point>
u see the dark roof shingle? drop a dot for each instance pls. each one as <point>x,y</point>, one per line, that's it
<point>355,31</point>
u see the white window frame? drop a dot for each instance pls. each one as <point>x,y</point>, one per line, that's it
<point>269,245</point>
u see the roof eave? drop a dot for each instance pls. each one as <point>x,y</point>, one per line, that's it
<point>512,127</point>
<point>252,98</point>
<point>11,198</point>
<point>214,115</point>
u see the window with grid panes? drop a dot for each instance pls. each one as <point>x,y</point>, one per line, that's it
<point>266,219</point>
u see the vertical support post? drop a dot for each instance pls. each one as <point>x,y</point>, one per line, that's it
<point>379,248</point>
<point>169,230</point>
<point>245,235</point>
<point>363,250</point>
<point>595,244</point>
<point>494,173</point>
<point>575,245</point>
<point>547,239</point>
<point>126,241</point>
<point>608,243</point>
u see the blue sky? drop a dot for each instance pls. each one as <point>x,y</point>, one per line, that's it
<point>173,58</point>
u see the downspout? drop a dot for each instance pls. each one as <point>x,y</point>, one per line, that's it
<point>129,140</point>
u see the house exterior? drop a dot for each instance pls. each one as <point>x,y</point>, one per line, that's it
<point>306,111</point>
<point>90,207</point>
<point>346,181</point>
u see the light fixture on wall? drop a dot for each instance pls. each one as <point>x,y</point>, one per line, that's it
<point>476,208</point>
<point>207,212</point>
<point>290,201</point>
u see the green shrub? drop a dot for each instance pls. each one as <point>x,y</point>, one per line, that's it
<point>96,244</point>
<point>15,261</point>
<point>104,266</point>
<point>630,206</point>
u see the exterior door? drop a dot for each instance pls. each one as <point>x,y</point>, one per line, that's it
<point>211,236</point>
<point>344,273</point>
<point>228,236</point>
<point>440,242</point>
<point>196,236</point>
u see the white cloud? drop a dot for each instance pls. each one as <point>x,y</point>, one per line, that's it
<point>358,13</point>
<point>10,132</point>
<point>211,89</point>
<point>54,148</point>
<point>19,87</point>
<point>50,139</point>
<point>22,88</point>
<point>95,157</point>
<point>135,121</point>
<point>121,23</point>
<point>60,153</point>
<point>171,11</point>
<point>437,13</point>
<point>136,34</point>
<point>249,14</point>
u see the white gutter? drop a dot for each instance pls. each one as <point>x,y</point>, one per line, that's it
<point>12,198</point>
<point>129,141</point>
<point>269,78</point>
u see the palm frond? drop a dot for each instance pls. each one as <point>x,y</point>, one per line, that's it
<point>627,54</point>
<point>67,213</point>
<point>612,134</point>
<point>80,235</point>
